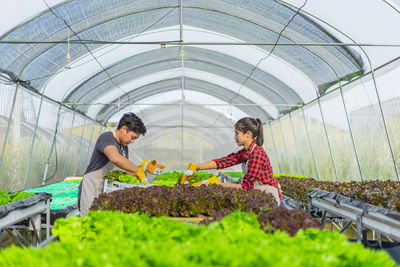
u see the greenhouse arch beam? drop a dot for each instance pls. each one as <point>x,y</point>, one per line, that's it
<point>166,117</point>
<point>264,104</point>
<point>172,84</point>
<point>262,82</point>
<point>200,133</point>
<point>302,87</point>
<point>202,20</point>
<point>199,116</point>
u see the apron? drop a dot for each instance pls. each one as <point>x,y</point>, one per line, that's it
<point>263,187</point>
<point>92,186</point>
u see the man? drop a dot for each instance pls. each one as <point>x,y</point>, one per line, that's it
<point>110,153</point>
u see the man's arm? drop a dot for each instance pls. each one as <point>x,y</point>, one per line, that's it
<point>120,161</point>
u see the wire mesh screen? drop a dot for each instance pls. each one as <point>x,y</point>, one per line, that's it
<point>336,137</point>
<point>32,130</point>
<point>370,157</point>
<point>7,93</point>
<point>343,151</point>
<point>293,157</point>
<point>270,148</point>
<point>306,149</point>
<point>6,99</point>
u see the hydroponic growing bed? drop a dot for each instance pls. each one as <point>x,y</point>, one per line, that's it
<point>64,198</point>
<point>119,239</point>
<point>26,213</point>
<point>372,205</point>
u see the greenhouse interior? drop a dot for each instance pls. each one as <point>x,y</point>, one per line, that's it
<point>199,133</point>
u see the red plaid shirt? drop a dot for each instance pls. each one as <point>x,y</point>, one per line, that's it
<point>259,166</point>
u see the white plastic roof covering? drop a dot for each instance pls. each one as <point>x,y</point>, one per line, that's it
<point>291,75</point>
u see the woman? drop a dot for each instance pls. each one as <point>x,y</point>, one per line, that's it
<point>256,167</point>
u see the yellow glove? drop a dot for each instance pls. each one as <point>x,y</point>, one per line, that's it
<point>152,167</point>
<point>149,167</point>
<point>155,168</point>
<point>140,173</point>
<point>212,180</point>
<point>189,173</point>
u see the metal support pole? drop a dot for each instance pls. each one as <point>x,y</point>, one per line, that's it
<point>178,42</point>
<point>351,135</point>
<point>52,146</point>
<point>311,146</point>
<point>80,144</point>
<point>182,122</point>
<point>323,219</point>
<point>101,130</point>
<point>10,119</point>
<point>181,21</point>
<point>20,239</point>
<point>47,219</point>
<point>276,150</point>
<point>182,55</point>
<point>69,142</point>
<point>33,140</point>
<point>384,121</point>
<point>327,139</point>
<point>359,227</point>
<point>284,145</point>
<point>373,78</point>
<point>297,147</point>
<point>345,227</point>
<point>90,142</point>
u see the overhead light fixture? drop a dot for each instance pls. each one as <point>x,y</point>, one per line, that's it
<point>163,45</point>
<point>68,55</point>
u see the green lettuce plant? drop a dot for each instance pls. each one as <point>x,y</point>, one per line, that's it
<point>105,238</point>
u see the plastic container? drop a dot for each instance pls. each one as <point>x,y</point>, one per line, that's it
<point>114,186</point>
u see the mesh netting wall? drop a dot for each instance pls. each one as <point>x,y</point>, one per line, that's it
<point>338,160</point>
<point>32,126</point>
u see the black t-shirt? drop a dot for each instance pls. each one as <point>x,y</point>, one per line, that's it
<point>99,159</point>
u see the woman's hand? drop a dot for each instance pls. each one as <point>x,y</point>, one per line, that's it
<point>189,172</point>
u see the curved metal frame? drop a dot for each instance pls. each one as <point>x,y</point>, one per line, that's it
<point>142,92</point>
<point>349,125</point>
<point>192,51</point>
<point>209,10</point>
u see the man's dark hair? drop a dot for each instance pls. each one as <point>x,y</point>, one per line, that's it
<point>133,122</point>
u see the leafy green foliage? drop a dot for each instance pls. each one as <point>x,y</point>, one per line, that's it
<point>6,198</point>
<point>67,197</point>
<point>279,218</point>
<point>286,220</point>
<point>183,200</point>
<point>379,193</point>
<point>200,176</point>
<point>171,178</point>
<point>276,175</point>
<point>122,177</point>
<point>168,179</point>
<point>209,201</point>
<point>116,239</point>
